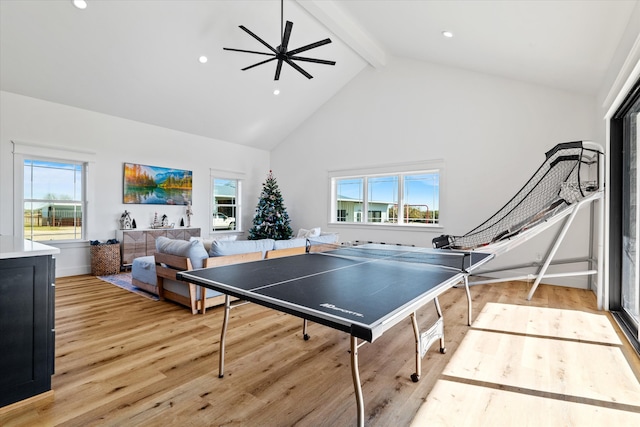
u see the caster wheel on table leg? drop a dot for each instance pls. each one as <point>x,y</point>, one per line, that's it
<point>415,378</point>
<point>443,350</point>
<point>306,337</point>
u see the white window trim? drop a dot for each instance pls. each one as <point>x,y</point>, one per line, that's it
<point>390,169</point>
<point>225,174</point>
<point>38,151</point>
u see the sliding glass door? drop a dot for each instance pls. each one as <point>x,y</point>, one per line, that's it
<point>630,264</point>
<point>625,217</point>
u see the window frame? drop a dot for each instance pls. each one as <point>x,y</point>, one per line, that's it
<point>23,151</point>
<point>227,176</point>
<point>401,171</point>
<point>76,201</point>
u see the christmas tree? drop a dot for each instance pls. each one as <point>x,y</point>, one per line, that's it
<point>271,220</point>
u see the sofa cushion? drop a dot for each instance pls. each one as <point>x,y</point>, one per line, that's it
<point>144,269</point>
<point>180,289</point>
<point>222,248</point>
<point>290,243</point>
<point>208,242</point>
<point>192,249</point>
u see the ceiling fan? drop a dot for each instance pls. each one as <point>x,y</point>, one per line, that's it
<point>281,53</point>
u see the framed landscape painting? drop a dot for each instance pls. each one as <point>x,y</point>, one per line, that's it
<point>153,185</point>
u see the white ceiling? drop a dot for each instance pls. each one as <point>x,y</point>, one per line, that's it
<point>137,59</point>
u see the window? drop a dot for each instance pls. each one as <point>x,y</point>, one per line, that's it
<point>349,199</point>
<point>382,194</point>
<point>408,197</point>
<point>225,203</point>
<point>53,200</point>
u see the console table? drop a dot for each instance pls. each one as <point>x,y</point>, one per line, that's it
<point>27,318</point>
<point>142,242</point>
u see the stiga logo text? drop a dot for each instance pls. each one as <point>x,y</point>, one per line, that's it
<point>333,307</point>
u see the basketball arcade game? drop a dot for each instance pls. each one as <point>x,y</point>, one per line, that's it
<point>570,179</point>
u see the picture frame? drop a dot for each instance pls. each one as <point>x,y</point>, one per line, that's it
<point>156,185</point>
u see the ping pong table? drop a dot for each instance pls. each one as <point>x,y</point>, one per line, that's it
<point>361,290</point>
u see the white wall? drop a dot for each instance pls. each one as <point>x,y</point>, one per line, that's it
<point>621,73</point>
<point>492,134</point>
<point>115,141</point>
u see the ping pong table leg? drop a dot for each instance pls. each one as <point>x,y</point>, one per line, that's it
<point>425,339</point>
<point>356,380</point>
<point>416,332</point>
<point>305,335</point>
<point>443,349</point>
<point>223,334</point>
<point>469,307</point>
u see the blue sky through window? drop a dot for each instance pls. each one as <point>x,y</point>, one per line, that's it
<point>46,180</point>
<point>419,189</point>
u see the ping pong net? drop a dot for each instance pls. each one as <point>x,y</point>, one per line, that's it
<point>457,261</point>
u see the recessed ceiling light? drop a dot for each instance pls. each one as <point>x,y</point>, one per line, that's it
<point>80,4</point>
<point>203,59</point>
<point>447,34</point>
<point>276,92</point>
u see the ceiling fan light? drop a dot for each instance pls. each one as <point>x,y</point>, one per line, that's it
<point>447,34</point>
<point>276,92</point>
<point>80,4</point>
<point>203,59</point>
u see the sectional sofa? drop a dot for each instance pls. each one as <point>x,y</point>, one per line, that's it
<point>156,273</point>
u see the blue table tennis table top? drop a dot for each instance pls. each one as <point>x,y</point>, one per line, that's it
<point>362,290</point>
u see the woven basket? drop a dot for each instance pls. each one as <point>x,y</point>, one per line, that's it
<point>105,259</point>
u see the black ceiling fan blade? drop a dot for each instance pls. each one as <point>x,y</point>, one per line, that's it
<point>310,46</point>
<point>278,69</point>
<point>317,61</point>
<point>258,38</point>
<point>286,36</point>
<point>259,63</point>
<point>248,51</point>
<point>297,67</point>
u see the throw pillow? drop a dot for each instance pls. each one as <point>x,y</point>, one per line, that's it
<point>303,232</point>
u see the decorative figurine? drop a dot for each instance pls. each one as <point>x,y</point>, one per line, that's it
<point>125,221</point>
<point>189,213</point>
<point>163,222</point>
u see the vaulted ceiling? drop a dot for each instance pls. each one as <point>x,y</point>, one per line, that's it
<point>138,59</point>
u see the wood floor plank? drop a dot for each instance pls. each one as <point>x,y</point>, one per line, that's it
<point>454,404</point>
<point>122,359</point>
<point>546,366</point>
<point>549,322</point>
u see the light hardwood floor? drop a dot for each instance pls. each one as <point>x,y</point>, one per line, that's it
<point>125,360</point>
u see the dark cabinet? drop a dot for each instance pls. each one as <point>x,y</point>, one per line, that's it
<point>27,332</point>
